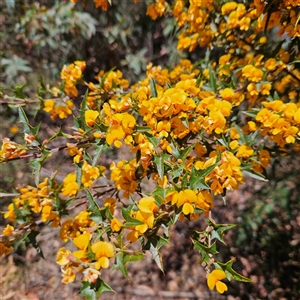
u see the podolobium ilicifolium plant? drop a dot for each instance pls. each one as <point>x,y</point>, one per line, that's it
<point>194,130</point>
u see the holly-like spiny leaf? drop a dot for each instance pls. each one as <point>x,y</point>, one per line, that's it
<point>230,273</point>
<point>123,258</point>
<point>154,244</point>
<point>91,291</point>
<point>219,229</point>
<point>205,251</point>
<point>129,220</point>
<point>153,88</point>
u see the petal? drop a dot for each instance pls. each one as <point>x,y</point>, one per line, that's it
<point>221,287</point>
<point>82,241</point>
<point>211,281</point>
<point>104,262</point>
<point>218,274</point>
<point>187,208</point>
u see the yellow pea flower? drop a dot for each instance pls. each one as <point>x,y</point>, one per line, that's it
<point>132,236</point>
<point>70,186</point>
<point>90,117</point>
<point>244,151</point>
<point>270,64</point>
<point>227,93</point>
<point>214,280</point>
<point>82,240</point>
<point>115,225</point>
<point>264,158</point>
<point>147,218</point>
<point>8,230</point>
<point>4,250</point>
<point>147,205</point>
<point>234,144</point>
<point>10,214</point>
<point>228,7</point>
<point>103,251</point>
<point>63,257</point>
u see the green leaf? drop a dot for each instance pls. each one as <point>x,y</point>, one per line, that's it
<point>243,137</point>
<point>142,128</point>
<point>129,220</point>
<point>91,291</point>
<point>175,216</point>
<point>37,165</point>
<point>153,88</point>
<point>223,141</point>
<point>79,122</point>
<point>123,258</point>
<point>175,149</point>
<point>55,135</point>
<point>98,214</point>
<point>251,113</point>
<point>83,106</point>
<point>159,161</point>
<point>99,149</point>
<point>198,183</point>
<point>120,264</point>
<point>185,122</point>
<point>27,127</point>
<point>219,229</point>
<point>79,173</point>
<point>31,239</point>
<point>92,204</point>
<point>153,140</point>
<point>206,171</point>
<point>104,287</point>
<point>205,251</point>
<point>18,90</point>
<point>102,80</point>
<point>160,194</point>
<point>212,79</point>
<point>133,257</point>
<point>153,244</point>
<point>177,172</point>
<point>198,177</point>
<point>254,175</point>
<point>24,120</point>
<point>230,273</point>
<point>186,151</point>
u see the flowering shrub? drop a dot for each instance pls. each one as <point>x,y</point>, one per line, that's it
<point>194,130</point>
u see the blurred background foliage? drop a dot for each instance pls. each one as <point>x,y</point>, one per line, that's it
<point>267,237</point>
<point>39,37</point>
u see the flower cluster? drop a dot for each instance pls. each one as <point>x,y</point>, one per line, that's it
<point>84,261</point>
<point>10,150</point>
<point>89,175</point>
<point>156,9</point>
<point>33,201</point>
<point>280,121</point>
<point>147,208</point>
<point>190,132</point>
<point>61,109</point>
<point>189,200</point>
<point>70,75</point>
<point>124,176</point>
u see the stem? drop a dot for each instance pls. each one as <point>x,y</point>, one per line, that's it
<point>209,235</point>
